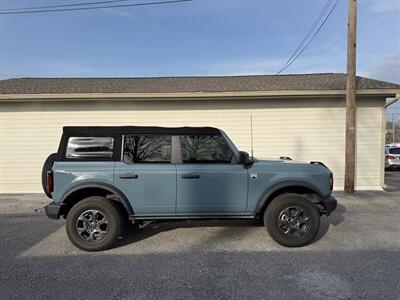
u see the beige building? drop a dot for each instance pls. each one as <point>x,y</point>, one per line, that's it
<point>301,116</point>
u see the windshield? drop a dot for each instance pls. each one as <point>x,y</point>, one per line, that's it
<point>394,150</point>
<point>231,144</point>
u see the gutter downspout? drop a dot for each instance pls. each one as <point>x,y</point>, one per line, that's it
<point>394,100</point>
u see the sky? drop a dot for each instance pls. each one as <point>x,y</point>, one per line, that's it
<point>202,37</point>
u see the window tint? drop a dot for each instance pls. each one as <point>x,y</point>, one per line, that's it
<point>394,150</point>
<point>90,147</point>
<point>205,149</point>
<point>147,149</point>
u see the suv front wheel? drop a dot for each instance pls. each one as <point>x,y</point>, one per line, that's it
<point>292,220</point>
<point>94,224</point>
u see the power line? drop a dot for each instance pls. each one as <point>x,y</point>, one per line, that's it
<point>90,8</point>
<point>62,5</point>
<point>294,56</point>
<point>316,21</point>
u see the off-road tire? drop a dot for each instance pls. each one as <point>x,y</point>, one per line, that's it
<point>276,208</point>
<point>111,211</point>
<point>48,164</point>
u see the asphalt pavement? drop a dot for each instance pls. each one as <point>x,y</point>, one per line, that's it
<point>392,180</point>
<point>356,255</point>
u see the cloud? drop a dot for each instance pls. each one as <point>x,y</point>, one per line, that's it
<point>51,68</point>
<point>384,6</point>
<point>244,66</point>
<point>326,58</point>
<point>387,69</point>
<point>258,66</point>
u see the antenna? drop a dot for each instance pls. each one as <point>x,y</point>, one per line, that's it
<point>251,135</point>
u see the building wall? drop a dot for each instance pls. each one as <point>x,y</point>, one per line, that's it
<point>304,129</point>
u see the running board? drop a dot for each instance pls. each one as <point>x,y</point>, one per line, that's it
<point>206,217</point>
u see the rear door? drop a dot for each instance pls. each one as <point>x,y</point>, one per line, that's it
<point>209,181</point>
<point>146,175</point>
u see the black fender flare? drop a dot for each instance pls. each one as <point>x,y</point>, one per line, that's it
<point>104,186</point>
<point>287,184</point>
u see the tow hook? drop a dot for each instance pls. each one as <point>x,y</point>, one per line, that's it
<point>325,212</point>
<point>39,210</point>
<point>322,210</point>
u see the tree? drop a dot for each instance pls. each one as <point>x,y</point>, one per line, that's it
<point>390,133</point>
<point>144,147</point>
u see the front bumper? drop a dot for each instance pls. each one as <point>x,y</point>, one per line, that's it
<point>329,205</point>
<point>53,210</point>
<point>392,163</point>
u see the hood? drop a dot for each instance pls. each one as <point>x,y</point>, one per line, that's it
<point>283,159</point>
<point>291,164</point>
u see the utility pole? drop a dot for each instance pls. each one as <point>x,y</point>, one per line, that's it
<point>351,98</point>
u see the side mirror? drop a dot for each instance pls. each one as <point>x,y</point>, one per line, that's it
<point>244,158</point>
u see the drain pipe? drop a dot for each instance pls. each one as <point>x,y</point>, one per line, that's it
<point>394,100</point>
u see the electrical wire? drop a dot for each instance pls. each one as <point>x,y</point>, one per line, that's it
<point>294,56</point>
<point>62,5</point>
<point>316,21</point>
<point>91,8</point>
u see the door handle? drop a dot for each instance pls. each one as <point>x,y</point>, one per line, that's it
<point>128,176</point>
<point>190,176</point>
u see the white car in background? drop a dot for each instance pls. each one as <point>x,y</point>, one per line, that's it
<point>392,156</point>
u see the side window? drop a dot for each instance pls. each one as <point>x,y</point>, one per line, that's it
<point>205,149</point>
<point>147,149</point>
<point>90,147</point>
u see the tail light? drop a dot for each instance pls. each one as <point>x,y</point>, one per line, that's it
<point>50,181</point>
<point>331,181</point>
<point>390,157</point>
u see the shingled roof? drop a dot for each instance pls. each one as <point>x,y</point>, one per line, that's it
<point>312,82</point>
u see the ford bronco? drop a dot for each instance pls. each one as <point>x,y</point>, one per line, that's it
<point>103,177</point>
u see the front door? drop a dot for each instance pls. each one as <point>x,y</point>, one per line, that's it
<point>209,182</point>
<point>146,175</point>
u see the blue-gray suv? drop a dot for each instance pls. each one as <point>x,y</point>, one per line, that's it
<point>104,177</point>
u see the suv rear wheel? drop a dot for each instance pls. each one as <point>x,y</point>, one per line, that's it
<point>292,220</point>
<point>94,224</point>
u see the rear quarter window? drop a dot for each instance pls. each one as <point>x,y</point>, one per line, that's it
<point>394,150</point>
<point>90,147</point>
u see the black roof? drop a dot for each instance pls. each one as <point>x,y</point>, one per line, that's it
<point>291,82</point>
<point>112,130</point>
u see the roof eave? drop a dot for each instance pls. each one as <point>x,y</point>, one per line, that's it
<point>193,95</point>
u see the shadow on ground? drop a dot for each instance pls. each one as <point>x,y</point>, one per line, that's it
<point>194,272</point>
<point>132,233</point>
<point>336,218</point>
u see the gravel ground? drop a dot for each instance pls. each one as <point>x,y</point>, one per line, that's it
<point>356,255</point>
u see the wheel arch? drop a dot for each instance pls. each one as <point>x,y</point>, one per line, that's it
<point>299,187</point>
<point>80,192</point>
